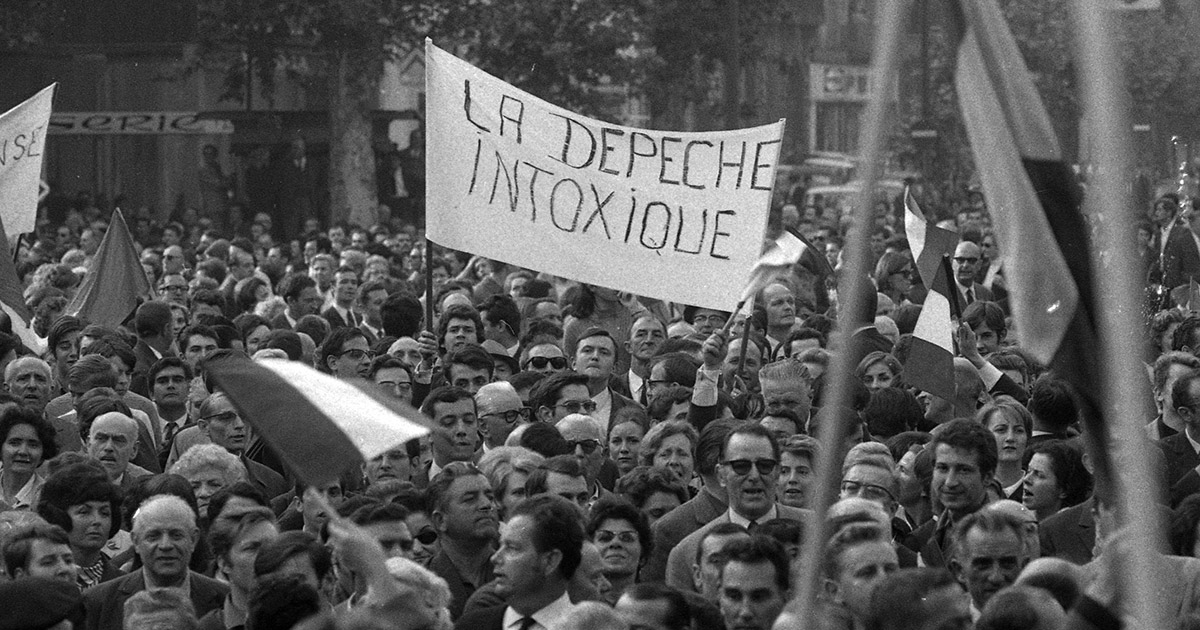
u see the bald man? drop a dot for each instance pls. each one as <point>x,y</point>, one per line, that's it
<point>164,536</point>
<point>967,258</point>
<point>113,439</point>
<point>499,409</point>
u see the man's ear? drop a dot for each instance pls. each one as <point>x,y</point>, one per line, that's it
<point>550,562</point>
<point>956,570</point>
<point>331,362</point>
<point>202,425</point>
<point>439,520</point>
<point>696,581</point>
<point>545,414</point>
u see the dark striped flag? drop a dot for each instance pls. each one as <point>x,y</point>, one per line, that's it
<point>1035,203</point>
<point>319,425</point>
<point>930,364</point>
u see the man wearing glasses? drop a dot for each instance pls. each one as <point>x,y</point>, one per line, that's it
<point>500,411</point>
<point>345,354</point>
<point>223,426</point>
<point>749,472</point>
<point>173,288</point>
<point>966,267</point>
<point>560,395</point>
<point>584,438</point>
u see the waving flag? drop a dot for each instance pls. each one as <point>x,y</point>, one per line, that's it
<point>319,425</point>
<point>115,280</point>
<point>930,364</point>
<point>1035,204</point>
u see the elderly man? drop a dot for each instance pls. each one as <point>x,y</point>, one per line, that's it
<point>29,380</point>
<point>499,410</point>
<point>164,536</point>
<point>113,439</point>
<point>586,441</point>
<point>989,553</point>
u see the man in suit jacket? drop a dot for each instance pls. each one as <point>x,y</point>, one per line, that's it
<point>536,590</point>
<point>595,357</point>
<point>1178,450</point>
<point>164,536</point>
<point>152,322</point>
<point>749,473</point>
<point>967,257</point>
<point>1181,256</point>
<point>708,504</point>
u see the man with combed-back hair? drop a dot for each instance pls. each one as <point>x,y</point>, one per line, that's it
<point>541,546</point>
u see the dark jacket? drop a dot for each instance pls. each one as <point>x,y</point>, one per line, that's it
<point>104,604</point>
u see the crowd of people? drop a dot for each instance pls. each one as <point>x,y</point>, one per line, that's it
<point>597,459</point>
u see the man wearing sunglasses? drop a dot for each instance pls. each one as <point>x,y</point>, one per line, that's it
<point>749,472</point>
<point>584,438</point>
<point>500,411</point>
<point>545,358</point>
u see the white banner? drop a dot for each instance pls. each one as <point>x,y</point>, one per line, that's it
<point>22,145</point>
<point>669,215</point>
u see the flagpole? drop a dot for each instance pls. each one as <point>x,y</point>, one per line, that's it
<point>889,20</point>
<point>1106,106</point>
<point>428,284</point>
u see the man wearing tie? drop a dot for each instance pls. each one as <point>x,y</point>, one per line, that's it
<point>169,379</point>
<point>966,267</point>
<point>340,313</point>
<point>541,546</point>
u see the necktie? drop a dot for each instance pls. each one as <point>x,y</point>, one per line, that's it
<point>169,434</point>
<point>970,296</point>
<point>527,623</point>
<point>752,526</point>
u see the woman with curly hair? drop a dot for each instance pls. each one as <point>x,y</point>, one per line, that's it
<point>623,536</point>
<point>1056,478</point>
<point>671,445</point>
<point>654,491</point>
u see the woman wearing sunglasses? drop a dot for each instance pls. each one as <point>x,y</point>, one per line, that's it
<point>622,534</point>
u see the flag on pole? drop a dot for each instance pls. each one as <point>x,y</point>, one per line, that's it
<point>114,281</point>
<point>930,364</point>
<point>1035,204</point>
<point>319,425</point>
<point>12,301</point>
<point>23,129</point>
<point>777,259</point>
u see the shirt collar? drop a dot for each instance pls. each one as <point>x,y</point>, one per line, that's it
<point>549,615</point>
<point>1195,445</point>
<point>734,517</point>
<point>186,587</point>
<point>27,495</point>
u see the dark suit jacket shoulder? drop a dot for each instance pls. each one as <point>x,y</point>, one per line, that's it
<point>1181,258</point>
<point>1179,455</point>
<point>1069,534</point>
<point>483,619</point>
<point>675,526</point>
<point>104,604</point>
